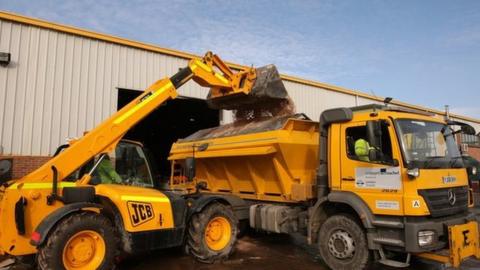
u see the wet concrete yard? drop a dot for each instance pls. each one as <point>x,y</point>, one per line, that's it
<point>255,251</point>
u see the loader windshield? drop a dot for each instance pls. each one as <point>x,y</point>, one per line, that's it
<point>126,165</point>
<point>428,145</point>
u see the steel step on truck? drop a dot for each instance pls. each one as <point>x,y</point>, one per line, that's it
<point>368,183</point>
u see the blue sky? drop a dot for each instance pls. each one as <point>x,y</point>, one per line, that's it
<point>421,52</point>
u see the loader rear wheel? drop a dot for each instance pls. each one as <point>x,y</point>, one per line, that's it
<point>212,233</point>
<point>80,242</point>
<point>343,244</point>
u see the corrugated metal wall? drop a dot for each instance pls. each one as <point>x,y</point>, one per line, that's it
<point>59,85</point>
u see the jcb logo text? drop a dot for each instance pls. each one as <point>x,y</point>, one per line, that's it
<point>140,212</point>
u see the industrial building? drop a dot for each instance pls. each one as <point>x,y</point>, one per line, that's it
<point>58,81</point>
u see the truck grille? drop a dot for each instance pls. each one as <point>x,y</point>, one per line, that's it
<point>445,201</point>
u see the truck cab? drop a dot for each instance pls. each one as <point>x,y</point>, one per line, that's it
<point>408,173</point>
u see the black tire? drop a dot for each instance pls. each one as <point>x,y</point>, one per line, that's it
<point>196,244</point>
<point>337,236</point>
<point>50,255</point>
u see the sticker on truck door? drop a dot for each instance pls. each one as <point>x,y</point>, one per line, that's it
<point>388,205</point>
<point>378,178</point>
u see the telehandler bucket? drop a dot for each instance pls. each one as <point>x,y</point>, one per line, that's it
<point>267,89</point>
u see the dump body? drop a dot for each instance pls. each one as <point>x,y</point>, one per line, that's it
<point>271,160</point>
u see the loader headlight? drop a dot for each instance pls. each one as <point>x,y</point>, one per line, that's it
<point>426,238</point>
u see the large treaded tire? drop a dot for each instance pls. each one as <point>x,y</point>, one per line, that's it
<point>50,255</point>
<point>361,257</point>
<point>196,243</point>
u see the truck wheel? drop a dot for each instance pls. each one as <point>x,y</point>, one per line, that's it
<point>343,244</point>
<point>212,233</point>
<point>81,241</point>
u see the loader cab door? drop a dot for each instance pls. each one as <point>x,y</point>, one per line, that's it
<point>132,164</point>
<point>129,164</point>
<point>370,169</point>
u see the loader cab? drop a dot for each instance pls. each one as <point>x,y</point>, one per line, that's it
<point>133,164</point>
<point>129,164</point>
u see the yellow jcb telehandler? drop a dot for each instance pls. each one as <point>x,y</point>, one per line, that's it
<point>78,212</point>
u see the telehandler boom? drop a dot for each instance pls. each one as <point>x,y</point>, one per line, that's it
<point>77,212</point>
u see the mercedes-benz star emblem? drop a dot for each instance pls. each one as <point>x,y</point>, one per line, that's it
<point>451,197</point>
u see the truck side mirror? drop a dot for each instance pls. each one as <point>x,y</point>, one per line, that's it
<point>374,133</point>
<point>190,168</point>
<point>374,154</point>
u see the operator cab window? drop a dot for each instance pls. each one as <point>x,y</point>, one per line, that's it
<point>358,146</point>
<point>132,165</point>
<point>126,165</point>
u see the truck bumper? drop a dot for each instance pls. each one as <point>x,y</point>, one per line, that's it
<point>463,245</point>
<point>440,227</point>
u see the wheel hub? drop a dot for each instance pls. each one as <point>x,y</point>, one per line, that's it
<point>218,233</point>
<point>341,245</point>
<point>84,250</point>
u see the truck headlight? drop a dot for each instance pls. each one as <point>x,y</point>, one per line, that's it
<point>425,238</point>
<point>474,170</point>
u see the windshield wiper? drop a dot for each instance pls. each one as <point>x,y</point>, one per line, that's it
<point>430,160</point>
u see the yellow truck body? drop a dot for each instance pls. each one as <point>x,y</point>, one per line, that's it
<point>400,200</point>
<point>277,165</point>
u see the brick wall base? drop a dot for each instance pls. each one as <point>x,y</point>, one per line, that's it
<point>474,151</point>
<point>22,165</point>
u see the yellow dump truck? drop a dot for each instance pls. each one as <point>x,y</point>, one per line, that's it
<point>367,183</point>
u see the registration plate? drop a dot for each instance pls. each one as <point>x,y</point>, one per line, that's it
<point>463,242</point>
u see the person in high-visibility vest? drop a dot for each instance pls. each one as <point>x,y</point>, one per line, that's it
<point>362,148</point>
<point>107,173</point>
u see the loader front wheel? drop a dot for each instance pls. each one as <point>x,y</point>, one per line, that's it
<point>80,242</point>
<point>212,233</point>
<point>343,244</point>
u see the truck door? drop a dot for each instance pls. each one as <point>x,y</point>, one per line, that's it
<point>378,183</point>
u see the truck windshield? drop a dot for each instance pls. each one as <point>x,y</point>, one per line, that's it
<point>428,145</point>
